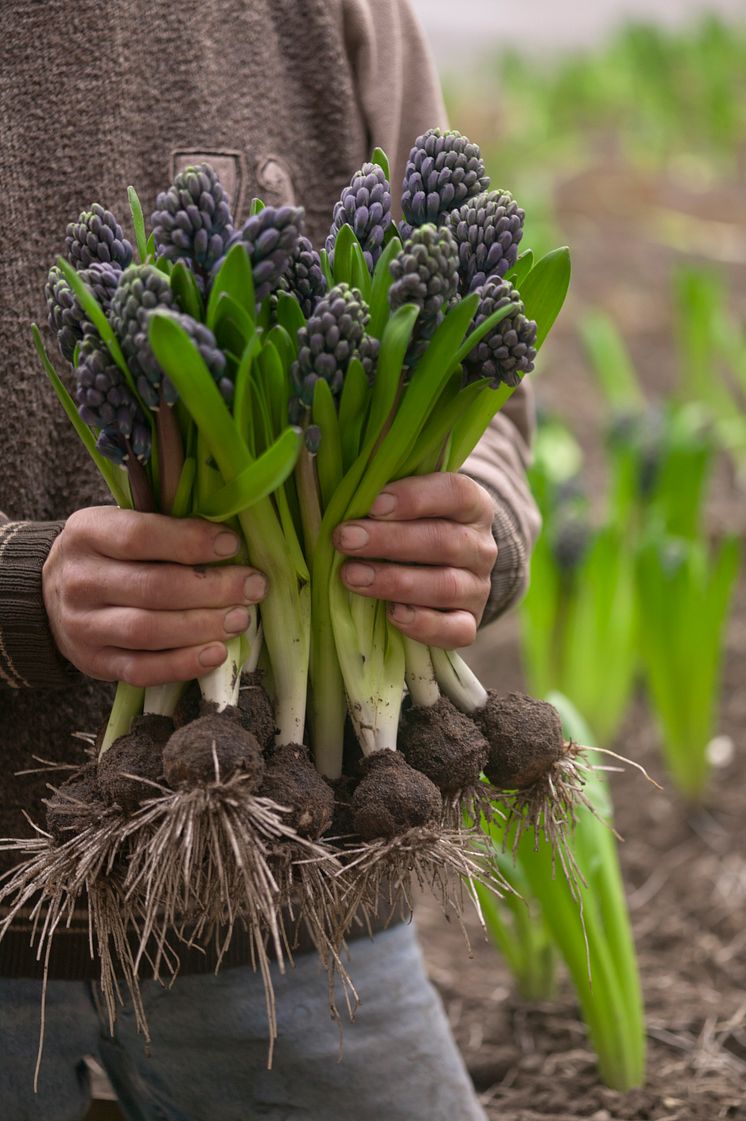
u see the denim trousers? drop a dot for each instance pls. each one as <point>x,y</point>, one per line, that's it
<point>208,1056</point>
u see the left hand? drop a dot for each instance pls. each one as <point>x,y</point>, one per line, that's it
<point>429,550</point>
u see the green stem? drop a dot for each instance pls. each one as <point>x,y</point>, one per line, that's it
<point>161,700</point>
<point>142,494</point>
<point>127,704</point>
<point>308,493</point>
<point>170,454</point>
<point>420,674</point>
<point>459,683</point>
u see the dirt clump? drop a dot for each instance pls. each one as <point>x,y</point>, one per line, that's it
<point>525,739</point>
<point>139,753</point>
<point>212,748</point>
<point>75,805</point>
<point>393,797</point>
<point>292,781</point>
<point>444,744</point>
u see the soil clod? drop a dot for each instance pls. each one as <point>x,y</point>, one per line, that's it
<point>525,739</point>
<point>292,781</point>
<point>75,804</point>
<point>393,797</point>
<point>138,754</point>
<point>444,744</point>
<point>211,749</point>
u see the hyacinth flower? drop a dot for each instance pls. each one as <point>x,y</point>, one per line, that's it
<point>443,171</point>
<point>488,230</point>
<point>364,206</point>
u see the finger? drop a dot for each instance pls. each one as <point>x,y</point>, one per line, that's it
<point>426,541</point>
<point>446,494</point>
<point>446,629</point>
<point>145,669</point>
<point>130,628</point>
<point>130,535</point>
<point>169,587</point>
<point>442,588</point>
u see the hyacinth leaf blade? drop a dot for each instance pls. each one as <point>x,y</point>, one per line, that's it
<point>394,344</point>
<point>150,249</point>
<point>326,268</point>
<point>521,269</point>
<point>475,337</point>
<point>138,224</point>
<point>329,455</point>
<point>454,402</point>
<point>182,504</point>
<point>266,474</point>
<point>380,158</point>
<point>379,289</point>
<point>353,409</point>
<point>343,246</point>
<point>235,278</point>
<point>275,381</point>
<point>470,428</point>
<point>233,324</point>
<point>97,317</point>
<point>257,206</point>
<point>429,378</point>
<point>185,367</point>
<point>289,314</point>
<point>283,342</point>
<point>113,476</point>
<point>611,362</point>
<point>544,290</point>
<point>186,292</point>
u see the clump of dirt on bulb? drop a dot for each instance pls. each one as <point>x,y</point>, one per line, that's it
<point>444,744</point>
<point>139,753</point>
<point>393,797</point>
<point>525,739</point>
<point>212,748</point>
<point>256,710</point>
<point>188,705</point>
<point>343,826</point>
<point>76,804</point>
<point>292,781</point>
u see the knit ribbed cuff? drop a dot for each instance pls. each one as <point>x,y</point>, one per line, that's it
<point>29,658</point>
<point>509,578</point>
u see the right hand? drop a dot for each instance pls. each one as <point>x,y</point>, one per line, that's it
<point>138,597</point>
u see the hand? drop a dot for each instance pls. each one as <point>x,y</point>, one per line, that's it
<point>130,596</point>
<point>429,550</point>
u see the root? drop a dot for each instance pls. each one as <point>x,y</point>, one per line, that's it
<point>387,872</point>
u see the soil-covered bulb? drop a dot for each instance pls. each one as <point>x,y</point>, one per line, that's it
<point>210,749</point>
<point>365,205</point>
<point>425,273</point>
<point>507,352</point>
<point>393,797</point>
<point>106,401</point>
<point>525,738</point>
<point>131,770</point>
<point>270,239</point>
<point>97,237</point>
<point>443,171</point>
<point>142,289</point>
<point>488,229</point>
<point>192,219</point>
<point>304,277</point>
<point>333,336</point>
<point>292,781</point>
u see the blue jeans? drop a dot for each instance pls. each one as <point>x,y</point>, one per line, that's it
<point>207,1061</point>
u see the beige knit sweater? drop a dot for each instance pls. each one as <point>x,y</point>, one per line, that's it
<point>286,98</point>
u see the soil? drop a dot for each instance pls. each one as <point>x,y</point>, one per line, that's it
<point>74,805</point>
<point>138,753</point>
<point>292,781</point>
<point>525,739</point>
<point>684,869</point>
<point>443,744</point>
<point>257,713</point>
<point>212,748</point>
<point>393,797</point>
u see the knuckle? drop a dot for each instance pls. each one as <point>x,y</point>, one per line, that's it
<point>486,551</point>
<point>452,585</point>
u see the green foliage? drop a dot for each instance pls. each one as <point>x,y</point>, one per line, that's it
<point>587,923</point>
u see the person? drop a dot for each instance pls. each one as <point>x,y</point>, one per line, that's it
<point>286,99</point>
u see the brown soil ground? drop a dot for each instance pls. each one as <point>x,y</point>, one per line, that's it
<point>685,870</point>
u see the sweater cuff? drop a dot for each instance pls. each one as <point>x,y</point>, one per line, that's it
<point>28,656</point>
<point>509,578</point>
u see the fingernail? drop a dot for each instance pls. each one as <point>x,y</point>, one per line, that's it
<point>236,620</point>
<point>353,537</point>
<point>212,656</point>
<point>226,545</point>
<point>401,612</point>
<point>385,504</point>
<point>255,587</point>
<point>358,575</point>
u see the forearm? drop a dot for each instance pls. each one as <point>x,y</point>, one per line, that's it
<point>499,464</point>
<point>28,656</point>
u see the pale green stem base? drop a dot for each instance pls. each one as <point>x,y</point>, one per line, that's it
<point>127,705</point>
<point>459,683</point>
<point>161,700</point>
<point>420,674</point>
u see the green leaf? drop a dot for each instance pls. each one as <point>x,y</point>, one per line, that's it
<point>184,287</point>
<point>257,206</point>
<point>326,268</point>
<point>289,314</point>
<point>544,289</point>
<point>258,480</point>
<point>243,392</point>
<point>113,476</point>
<point>229,309</point>
<point>391,355</point>
<point>379,157</point>
<point>343,247</point>
<point>522,268</point>
<point>329,457</point>
<point>182,503</point>
<point>475,337</point>
<point>353,407</point>
<point>236,279</point>
<point>150,248</point>
<point>611,362</point>
<point>275,381</point>
<point>379,289</point>
<point>138,223</point>
<point>182,362</point>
